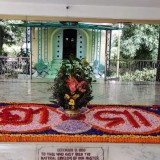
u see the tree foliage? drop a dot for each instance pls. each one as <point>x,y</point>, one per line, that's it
<point>139,41</point>
<point>9,34</point>
<point>158,58</point>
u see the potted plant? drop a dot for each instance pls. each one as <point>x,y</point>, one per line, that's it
<point>72,88</point>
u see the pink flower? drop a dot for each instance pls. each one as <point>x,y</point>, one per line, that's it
<point>72,83</point>
<point>81,85</point>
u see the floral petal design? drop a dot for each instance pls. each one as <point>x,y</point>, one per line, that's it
<point>72,127</point>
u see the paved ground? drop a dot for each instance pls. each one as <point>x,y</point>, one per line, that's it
<point>109,92</point>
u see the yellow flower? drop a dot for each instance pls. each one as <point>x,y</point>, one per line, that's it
<point>75,96</point>
<point>66,96</point>
<point>84,62</point>
<point>71,102</point>
<point>72,107</point>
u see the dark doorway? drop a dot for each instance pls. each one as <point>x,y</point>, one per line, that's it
<point>69,43</point>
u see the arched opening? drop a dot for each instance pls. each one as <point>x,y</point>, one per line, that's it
<point>69,43</point>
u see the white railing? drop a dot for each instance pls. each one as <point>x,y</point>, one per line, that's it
<point>130,70</point>
<point>14,68</point>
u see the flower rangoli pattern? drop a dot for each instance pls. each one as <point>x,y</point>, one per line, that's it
<point>97,120</point>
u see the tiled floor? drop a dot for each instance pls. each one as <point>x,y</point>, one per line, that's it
<point>109,92</point>
<point>104,93</point>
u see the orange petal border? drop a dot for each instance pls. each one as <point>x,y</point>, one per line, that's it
<point>78,138</point>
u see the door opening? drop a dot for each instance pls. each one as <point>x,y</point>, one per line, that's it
<point>69,43</point>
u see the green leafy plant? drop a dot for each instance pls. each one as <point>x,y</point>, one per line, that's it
<point>72,87</point>
<point>144,75</point>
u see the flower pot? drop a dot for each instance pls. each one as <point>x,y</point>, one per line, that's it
<point>72,113</point>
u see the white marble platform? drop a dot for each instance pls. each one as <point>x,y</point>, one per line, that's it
<point>112,151</point>
<point>104,93</point>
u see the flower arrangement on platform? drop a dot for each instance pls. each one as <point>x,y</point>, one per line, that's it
<point>72,87</point>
